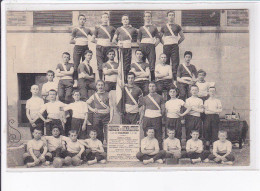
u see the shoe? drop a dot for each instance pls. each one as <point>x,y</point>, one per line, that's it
<point>147,161</point>
<point>103,161</point>
<point>206,160</point>
<point>90,162</point>
<point>31,164</point>
<point>228,163</point>
<point>46,163</point>
<point>160,161</point>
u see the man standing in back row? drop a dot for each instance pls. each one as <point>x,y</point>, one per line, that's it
<point>171,41</point>
<point>103,36</point>
<point>148,38</point>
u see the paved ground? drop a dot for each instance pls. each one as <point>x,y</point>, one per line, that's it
<point>242,159</point>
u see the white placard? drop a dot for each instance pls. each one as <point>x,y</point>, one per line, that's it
<point>123,142</point>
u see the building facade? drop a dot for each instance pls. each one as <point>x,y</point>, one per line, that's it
<point>219,40</point>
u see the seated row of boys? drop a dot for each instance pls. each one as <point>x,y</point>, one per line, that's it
<point>63,150</point>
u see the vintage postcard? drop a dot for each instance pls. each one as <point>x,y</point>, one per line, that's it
<point>101,88</point>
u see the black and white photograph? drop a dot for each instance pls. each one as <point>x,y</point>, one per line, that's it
<point>127,88</point>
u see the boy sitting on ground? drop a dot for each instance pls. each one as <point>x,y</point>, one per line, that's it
<point>172,145</point>
<point>222,149</point>
<point>36,150</point>
<point>150,151</point>
<point>194,148</point>
<point>95,151</point>
<point>54,144</point>
<point>74,149</point>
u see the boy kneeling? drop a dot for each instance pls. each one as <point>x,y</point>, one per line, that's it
<point>222,149</point>
<point>194,148</point>
<point>95,151</point>
<point>150,151</point>
<point>36,150</point>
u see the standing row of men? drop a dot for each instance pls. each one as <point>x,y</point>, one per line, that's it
<point>148,37</point>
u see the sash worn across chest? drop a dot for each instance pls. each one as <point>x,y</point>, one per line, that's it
<point>82,40</point>
<point>150,40</point>
<point>129,107</point>
<point>102,105</point>
<point>126,43</point>
<point>103,41</point>
<point>153,113</point>
<point>170,39</point>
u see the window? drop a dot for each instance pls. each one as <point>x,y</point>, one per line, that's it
<point>135,17</point>
<point>52,18</point>
<point>201,18</point>
<point>25,81</point>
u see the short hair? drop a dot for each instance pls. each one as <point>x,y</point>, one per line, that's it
<point>131,73</point>
<point>162,54</point>
<point>81,15</point>
<point>66,53</point>
<point>50,71</point>
<point>149,12</point>
<point>76,91</point>
<point>52,90</point>
<point>34,85</point>
<point>93,130</point>
<point>194,131</point>
<point>105,13</point>
<point>138,50</point>
<point>38,129</point>
<point>194,86</point>
<point>168,129</point>
<point>202,71</point>
<point>100,81</point>
<point>56,127</point>
<point>111,50</point>
<point>88,51</point>
<point>222,132</point>
<point>187,53</point>
<point>150,128</point>
<point>170,12</point>
<point>125,15</point>
<point>173,87</point>
<point>72,131</point>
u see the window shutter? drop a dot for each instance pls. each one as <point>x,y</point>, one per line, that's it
<point>52,18</point>
<point>201,18</point>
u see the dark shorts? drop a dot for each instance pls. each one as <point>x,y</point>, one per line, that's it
<point>163,85</point>
<point>54,122</point>
<point>76,124</point>
<point>101,54</point>
<point>174,123</point>
<point>65,88</point>
<point>110,86</point>
<point>92,155</point>
<point>84,85</point>
<point>156,123</point>
<point>149,53</point>
<point>193,123</point>
<point>131,118</point>
<point>211,127</point>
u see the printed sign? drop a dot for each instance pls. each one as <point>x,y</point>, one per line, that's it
<point>123,142</point>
